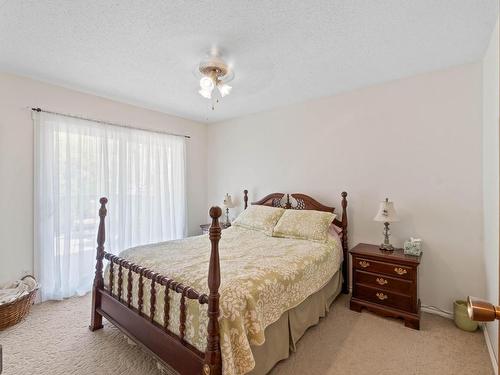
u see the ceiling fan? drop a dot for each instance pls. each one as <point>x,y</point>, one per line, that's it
<point>215,74</point>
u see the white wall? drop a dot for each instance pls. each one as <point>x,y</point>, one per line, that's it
<point>416,141</point>
<point>490,176</point>
<point>16,158</point>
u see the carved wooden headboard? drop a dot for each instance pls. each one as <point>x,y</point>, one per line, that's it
<point>298,201</point>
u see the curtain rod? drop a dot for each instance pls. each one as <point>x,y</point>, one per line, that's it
<point>107,122</point>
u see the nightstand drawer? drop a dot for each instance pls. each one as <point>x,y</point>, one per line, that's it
<point>384,297</point>
<point>390,269</point>
<point>383,282</point>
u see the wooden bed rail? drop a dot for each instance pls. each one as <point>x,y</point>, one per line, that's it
<point>154,279</point>
<point>213,359</point>
<point>345,246</point>
<point>96,318</point>
<point>210,362</point>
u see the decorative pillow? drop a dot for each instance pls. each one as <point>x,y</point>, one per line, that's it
<point>262,218</point>
<point>304,224</point>
<point>334,232</point>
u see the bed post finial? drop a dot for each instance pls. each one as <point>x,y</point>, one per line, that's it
<point>345,263</point>
<point>96,318</point>
<point>213,361</point>
<point>245,198</point>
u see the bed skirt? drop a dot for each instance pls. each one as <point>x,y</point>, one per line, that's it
<point>282,335</point>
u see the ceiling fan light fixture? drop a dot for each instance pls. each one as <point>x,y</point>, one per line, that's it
<point>205,93</point>
<point>214,72</point>
<point>224,89</point>
<point>207,83</point>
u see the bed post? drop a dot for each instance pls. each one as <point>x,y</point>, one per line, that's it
<point>96,318</point>
<point>345,249</point>
<point>213,365</point>
<point>245,198</point>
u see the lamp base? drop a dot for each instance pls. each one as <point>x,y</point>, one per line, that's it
<point>227,224</point>
<point>386,247</point>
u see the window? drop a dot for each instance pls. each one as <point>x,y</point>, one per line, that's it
<point>78,161</point>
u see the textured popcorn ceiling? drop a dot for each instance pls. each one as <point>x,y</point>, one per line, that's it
<point>145,52</point>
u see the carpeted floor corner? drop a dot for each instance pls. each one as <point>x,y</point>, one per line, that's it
<point>55,339</point>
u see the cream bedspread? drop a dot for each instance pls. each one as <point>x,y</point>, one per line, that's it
<point>261,278</point>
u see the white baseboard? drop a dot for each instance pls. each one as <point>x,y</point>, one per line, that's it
<point>493,358</point>
<point>436,311</point>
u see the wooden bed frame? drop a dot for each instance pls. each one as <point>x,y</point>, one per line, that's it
<point>167,347</point>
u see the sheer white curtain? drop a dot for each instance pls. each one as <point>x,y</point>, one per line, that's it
<point>78,161</point>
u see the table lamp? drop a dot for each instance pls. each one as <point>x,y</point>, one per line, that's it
<point>228,203</point>
<point>386,214</point>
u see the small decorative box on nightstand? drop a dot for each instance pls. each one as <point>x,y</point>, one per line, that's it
<point>386,283</point>
<point>206,227</point>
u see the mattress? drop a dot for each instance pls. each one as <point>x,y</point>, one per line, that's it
<point>262,277</point>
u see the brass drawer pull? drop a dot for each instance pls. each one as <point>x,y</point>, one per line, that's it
<point>364,263</point>
<point>381,296</point>
<point>381,281</point>
<point>400,271</point>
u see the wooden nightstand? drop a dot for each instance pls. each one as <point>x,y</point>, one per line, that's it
<point>385,283</point>
<point>205,227</point>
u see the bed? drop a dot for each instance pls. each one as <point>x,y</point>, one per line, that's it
<point>249,313</point>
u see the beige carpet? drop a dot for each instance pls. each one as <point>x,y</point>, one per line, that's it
<point>54,340</point>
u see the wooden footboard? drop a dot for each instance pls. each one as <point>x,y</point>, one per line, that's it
<point>168,347</point>
<point>115,305</point>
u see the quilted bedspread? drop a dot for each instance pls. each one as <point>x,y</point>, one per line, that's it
<point>261,278</point>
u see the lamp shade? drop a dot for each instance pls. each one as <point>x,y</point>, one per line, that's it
<point>386,212</point>
<point>228,202</point>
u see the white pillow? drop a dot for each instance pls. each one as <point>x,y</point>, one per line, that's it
<point>261,218</point>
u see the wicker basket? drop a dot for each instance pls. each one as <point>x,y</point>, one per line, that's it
<point>13,312</point>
